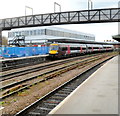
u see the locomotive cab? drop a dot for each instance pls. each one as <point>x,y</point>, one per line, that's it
<point>53,51</point>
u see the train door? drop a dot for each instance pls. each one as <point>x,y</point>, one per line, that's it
<point>92,49</point>
<point>68,49</point>
<point>81,50</point>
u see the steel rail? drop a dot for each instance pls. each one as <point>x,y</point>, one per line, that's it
<point>37,68</point>
<point>46,78</point>
<point>44,105</point>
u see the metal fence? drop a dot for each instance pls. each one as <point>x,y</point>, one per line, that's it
<point>10,52</point>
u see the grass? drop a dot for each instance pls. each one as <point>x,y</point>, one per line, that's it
<point>14,100</point>
<point>23,93</point>
<point>2,102</point>
<point>39,77</point>
<point>13,89</point>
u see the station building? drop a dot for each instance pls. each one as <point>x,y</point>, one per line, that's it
<point>40,35</point>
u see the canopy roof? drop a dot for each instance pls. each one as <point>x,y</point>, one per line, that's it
<point>116,37</point>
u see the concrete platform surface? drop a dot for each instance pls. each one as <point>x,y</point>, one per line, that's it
<point>97,95</point>
<point>21,58</point>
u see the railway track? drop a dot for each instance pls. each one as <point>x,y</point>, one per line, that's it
<point>10,75</point>
<point>24,84</point>
<point>27,95</point>
<point>16,87</point>
<point>44,105</point>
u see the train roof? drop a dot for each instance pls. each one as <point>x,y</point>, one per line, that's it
<point>80,41</point>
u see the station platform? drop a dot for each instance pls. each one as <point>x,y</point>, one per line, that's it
<point>20,61</point>
<point>96,95</point>
<point>22,58</point>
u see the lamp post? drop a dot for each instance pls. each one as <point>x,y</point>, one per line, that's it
<point>90,2</point>
<point>28,8</point>
<point>91,5</point>
<point>119,18</point>
<point>55,3</point>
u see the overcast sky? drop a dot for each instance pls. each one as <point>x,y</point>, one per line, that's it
<point>102,31</point>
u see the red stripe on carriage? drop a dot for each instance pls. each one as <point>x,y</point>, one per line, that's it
<point>92,49</point>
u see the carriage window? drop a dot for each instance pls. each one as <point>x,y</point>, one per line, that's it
<point>96,47</point>
<point>89,47</point>
<point>64,48</point>
<point>83,48</point>
<point>75,48</point>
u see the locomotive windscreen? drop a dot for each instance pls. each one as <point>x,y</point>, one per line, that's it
<point>54,47</point>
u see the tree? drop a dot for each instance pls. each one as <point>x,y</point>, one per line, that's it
<point>4,41</point>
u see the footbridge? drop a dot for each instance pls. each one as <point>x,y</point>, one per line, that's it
<point>60,18</point>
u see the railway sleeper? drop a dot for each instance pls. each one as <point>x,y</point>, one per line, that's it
<point>66,89</point>
<point>72,86</point>
<point>57,97</point>
<point>54,100</point>
<point>58,94</point>
<point>40,110</point>
<point>41,113</point>
<point>48,105</point>
<point>51,102</point>
<point>33,114</point>
<point>63,92</point>
<point>43,108</point>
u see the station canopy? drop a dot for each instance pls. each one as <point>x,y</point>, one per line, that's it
<point>116,37</point>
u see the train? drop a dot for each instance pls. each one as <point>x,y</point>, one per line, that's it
<point>61,50</point>
<point>55,50</point>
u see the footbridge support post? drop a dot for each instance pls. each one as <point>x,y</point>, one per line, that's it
<point>0,37</point>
